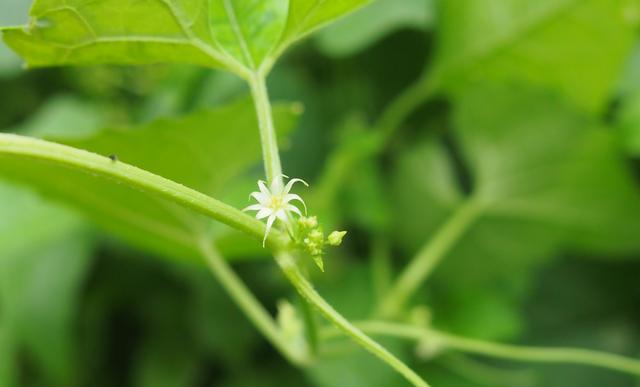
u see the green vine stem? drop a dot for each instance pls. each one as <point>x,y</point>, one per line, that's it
<point>291,270</point>
<point>403,105</point>
<point>428,257</point>
<point>65,156</point>
<point>487,374</point>
<point>511,352</point>
<point>268,138</point>
<point>247,302</point>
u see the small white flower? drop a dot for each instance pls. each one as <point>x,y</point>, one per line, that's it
<point>274,202</point>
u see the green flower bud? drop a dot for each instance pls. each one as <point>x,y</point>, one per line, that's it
<point>308,222</point>
<point>316,236</point>
<point>335,238</point>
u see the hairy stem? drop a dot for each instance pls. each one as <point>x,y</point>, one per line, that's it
<point>247,302</point>
<point>427,258</point>
<point>291,270</point>
<point>91,163</point>
<point>511,352</point>
<point>268,138</point>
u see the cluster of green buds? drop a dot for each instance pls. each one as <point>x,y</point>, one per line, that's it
<point>311,238</point>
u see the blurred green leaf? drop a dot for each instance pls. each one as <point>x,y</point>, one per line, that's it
<point>232,34</point>
<point>63,117</point>
<point>629,81</point>
<point>9,62</point>
<point>43,265</point>
<point>363,28</point>
<point>199,150</point>
<point>628,123</point>
<point>365,199</point>
<point>577,47</point>
<point>346,365</point>
<point>547,179</point>
<point>532,157</point>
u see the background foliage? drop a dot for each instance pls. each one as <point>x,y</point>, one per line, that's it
<point>531,108</point>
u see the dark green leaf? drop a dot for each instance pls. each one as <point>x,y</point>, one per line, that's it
<point>42,267</point>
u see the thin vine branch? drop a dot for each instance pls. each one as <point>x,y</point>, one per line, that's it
<point>403,105</point>
<point>247,302</point>
<point>506,351</point>
<point>291,270</point>
<point>423,264</point>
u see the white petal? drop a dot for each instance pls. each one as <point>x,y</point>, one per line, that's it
<point>266,231</point>
<point>263,188</point>
<point>260,197</point>
<point>290,197</point>
<point>264,212</point>
<point>293,208</point>
<point>253,207</point>
<point>282,215</point>
<point>276,185</point>
<point>291,182</point>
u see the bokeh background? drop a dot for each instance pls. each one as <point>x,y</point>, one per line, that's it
<point>539,110</point>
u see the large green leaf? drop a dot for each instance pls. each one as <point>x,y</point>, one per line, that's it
<point>239,35</point>
<point>534,158</point>
<point>205,150</point>
<point>305,16</point>
<point>44,257</point>
<point>574,46</point>
<point>547,179</point>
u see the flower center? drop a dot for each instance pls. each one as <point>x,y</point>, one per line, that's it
<point>276,202</point>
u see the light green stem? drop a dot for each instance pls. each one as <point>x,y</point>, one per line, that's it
<point>246,301</point>
<point>486,374</point>
<point>268,138</point>
<point>427,258</point>
<point>65,156</point>
<point>511,352</point>
<point>345,159</point>
<point>290,268</point>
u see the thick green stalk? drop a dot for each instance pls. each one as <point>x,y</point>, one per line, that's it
<point>427,258</point>
<point>247,302</point>
<point>291,270</point>
<point>511,352</point>
<point>268,138</point>
<point>65,156</point>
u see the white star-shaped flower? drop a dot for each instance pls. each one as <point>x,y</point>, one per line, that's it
<point>274,202</point>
